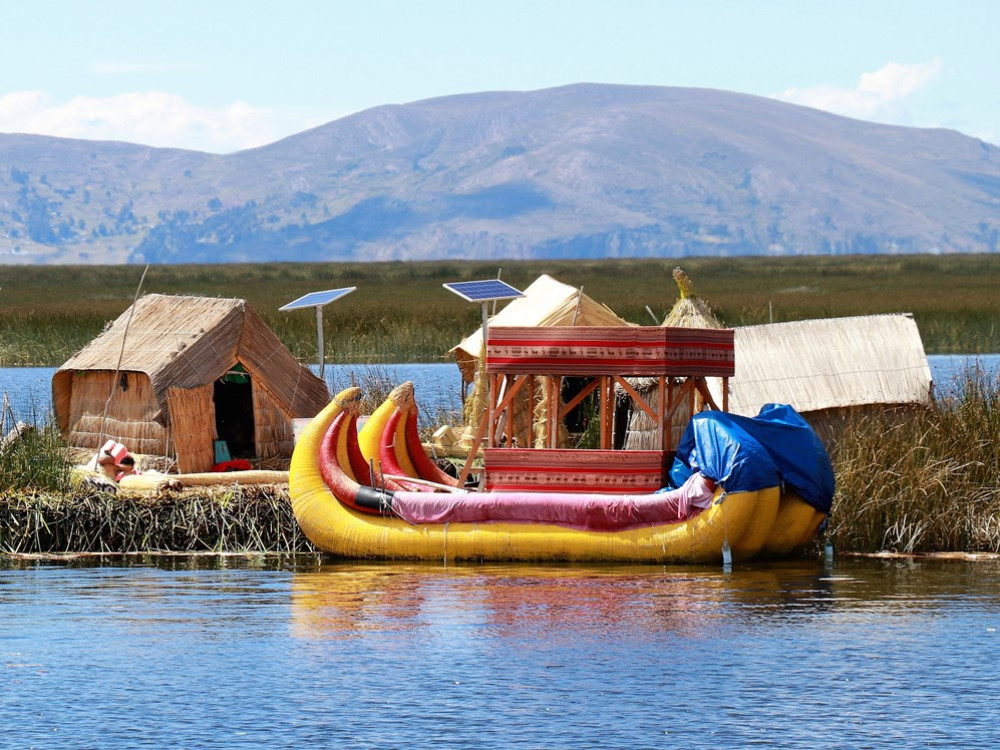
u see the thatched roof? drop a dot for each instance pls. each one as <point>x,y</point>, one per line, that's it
<point>184,342</point>
<point>546,302</point>
<point>829,363</point>
<point>690,311</point>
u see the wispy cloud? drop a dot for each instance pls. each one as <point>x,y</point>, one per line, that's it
<point>152,118</point>
<point>880,95</point>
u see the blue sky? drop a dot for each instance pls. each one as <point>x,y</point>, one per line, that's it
<point>221,75</point>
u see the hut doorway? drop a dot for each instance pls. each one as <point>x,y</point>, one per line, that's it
<point>234,421</point>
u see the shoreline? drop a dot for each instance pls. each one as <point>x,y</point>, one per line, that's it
<point>319,557</point>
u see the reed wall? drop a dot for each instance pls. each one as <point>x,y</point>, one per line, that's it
<point>131,416</point>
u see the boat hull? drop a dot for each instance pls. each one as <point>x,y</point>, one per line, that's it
<point>344,532</point>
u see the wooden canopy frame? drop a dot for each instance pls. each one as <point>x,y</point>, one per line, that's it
<point>678,358</point>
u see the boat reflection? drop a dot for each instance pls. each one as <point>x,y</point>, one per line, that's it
<point>344,600</point>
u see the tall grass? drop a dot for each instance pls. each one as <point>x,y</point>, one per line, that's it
<point>929,481</point>
<point>32,453</point>
<point>401,313</point>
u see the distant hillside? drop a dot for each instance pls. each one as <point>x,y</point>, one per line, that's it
<point>579,171</point>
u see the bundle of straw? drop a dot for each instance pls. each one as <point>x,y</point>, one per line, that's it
<point>690,311</point>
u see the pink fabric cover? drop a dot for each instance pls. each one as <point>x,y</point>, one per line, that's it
<point>587,511</point>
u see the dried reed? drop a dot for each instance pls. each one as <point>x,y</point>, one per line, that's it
<point>927,482</point>
<point>238,519</point>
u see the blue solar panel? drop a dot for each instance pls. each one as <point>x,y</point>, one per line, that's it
<point>483,291</point>
<point>317,299</point>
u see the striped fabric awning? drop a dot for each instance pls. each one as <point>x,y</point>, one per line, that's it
<point>593,350</point>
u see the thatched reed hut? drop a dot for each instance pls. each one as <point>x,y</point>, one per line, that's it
<point>173,375</point>
<point>546,302</point>
<point>831,369</point>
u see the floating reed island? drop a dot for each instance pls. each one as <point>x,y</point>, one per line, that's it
<point>917,481</point>
<point>251,518</point>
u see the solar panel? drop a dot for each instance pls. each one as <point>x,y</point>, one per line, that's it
<point>483,291</point>
<point>317,299</point>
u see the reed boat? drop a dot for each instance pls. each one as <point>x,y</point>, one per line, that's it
<point>730,488</point>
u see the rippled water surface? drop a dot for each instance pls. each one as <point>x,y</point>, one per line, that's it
<point>259,652</point>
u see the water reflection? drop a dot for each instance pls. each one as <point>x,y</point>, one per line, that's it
<point>259,651</point>
<point>342,600</point>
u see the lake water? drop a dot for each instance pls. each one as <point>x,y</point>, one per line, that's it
<point>437,386</point>
<point>266,653</point>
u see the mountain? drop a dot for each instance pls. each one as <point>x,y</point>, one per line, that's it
<point>579,171</point>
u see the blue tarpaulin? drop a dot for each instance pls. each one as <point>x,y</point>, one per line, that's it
<point>751,453</point>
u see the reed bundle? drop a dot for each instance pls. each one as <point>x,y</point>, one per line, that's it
<point>236,519</point>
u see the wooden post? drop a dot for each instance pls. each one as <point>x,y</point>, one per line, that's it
<point>605,412</point>
<point>663,434</point>
<point>555,396</point>
<point>531,412</point>
<point>491,435</point>
<point>668,415</point>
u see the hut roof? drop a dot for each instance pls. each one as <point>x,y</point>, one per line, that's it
<point>829,363</point>
<point>546,302</point>
<point>690,311</point>
<point>185,342</point>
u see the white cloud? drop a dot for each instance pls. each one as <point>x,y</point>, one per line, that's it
<point>152,118</point>
<point>880,95</point>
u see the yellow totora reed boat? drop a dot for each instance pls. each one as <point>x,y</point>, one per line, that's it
<point>732,488</point>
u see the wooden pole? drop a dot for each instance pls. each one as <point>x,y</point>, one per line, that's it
<point>118,367</point>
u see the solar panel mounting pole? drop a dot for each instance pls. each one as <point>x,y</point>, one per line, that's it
<point>483,292</point>
<point>488,416</point>
<point>319,342</point>
<point>318,300</point>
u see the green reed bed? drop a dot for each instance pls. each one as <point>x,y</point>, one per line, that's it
<point>401,313</point>
<point>927,481</point>
<point>35,458</point>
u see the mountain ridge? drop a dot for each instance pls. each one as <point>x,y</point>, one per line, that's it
<point>587,170</point>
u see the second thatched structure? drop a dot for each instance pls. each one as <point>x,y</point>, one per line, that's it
<point>832,370</point>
